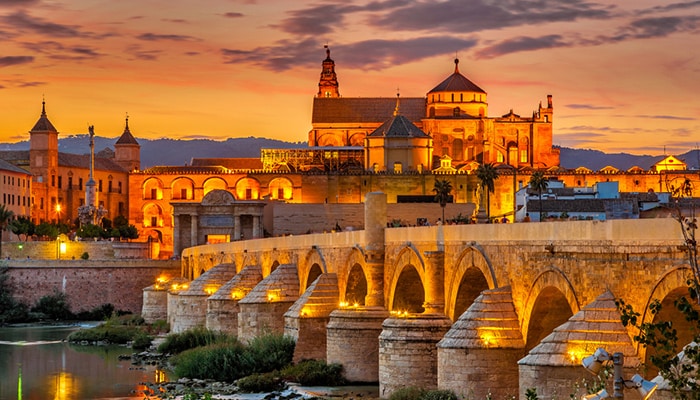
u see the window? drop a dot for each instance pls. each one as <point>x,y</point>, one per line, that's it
<point>60,181</point>
<point>248,194</point>
<point>109,186</point>
<point>53,180</point>
<point>99,187</point>
<point>120,187</point>
<point>183,193</point>
<point>70,183</point>
<point>154,221</point>
<point>80,183</point>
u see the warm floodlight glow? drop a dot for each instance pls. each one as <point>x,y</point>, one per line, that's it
<point>488,339</point>
<point>644,387</point>
<point>62,246</point>
<point>211,289</point>
<point>602,394</point>
<point>594,363</point>
<point>343,304</point>
<point>274,295</point>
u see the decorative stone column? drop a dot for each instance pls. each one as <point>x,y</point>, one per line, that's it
<point>155,304</point>
<point>177,246</point>
<point>236,227</point>
<point>408,352</point>
<point>256,227</point>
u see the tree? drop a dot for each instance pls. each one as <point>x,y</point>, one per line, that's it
<point>5,218</point>
<point>539,183</point>
<point>22,226</point>
<point>443,190</point>
<point>46,229</point>
<point>487,175</point>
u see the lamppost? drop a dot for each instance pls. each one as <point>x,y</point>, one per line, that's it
<point>594,363</point>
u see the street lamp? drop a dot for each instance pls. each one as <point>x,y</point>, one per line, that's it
<point>595,362</point>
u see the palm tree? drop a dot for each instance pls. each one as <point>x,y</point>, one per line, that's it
<point>5,218</point>
<point>540,183</point>
<point>487,175</point>
<point>442,189</point>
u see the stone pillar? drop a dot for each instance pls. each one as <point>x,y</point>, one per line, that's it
<point>353,341</point>
<point>177,246</point>
<point>408,352</point>
<point>236,227</point>
<point>155,304</point>
<point>256,227</point>
<point>435,282</point>
<point>375,224</point>
<point>194,232</point>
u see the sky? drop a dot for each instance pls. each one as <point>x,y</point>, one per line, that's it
<point>624,74</point>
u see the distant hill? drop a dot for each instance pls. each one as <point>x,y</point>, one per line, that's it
<point>171,151</point>
<point>180,152</point>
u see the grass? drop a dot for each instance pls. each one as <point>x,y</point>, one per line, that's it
<point>120,330</point>
<point>176,343</point>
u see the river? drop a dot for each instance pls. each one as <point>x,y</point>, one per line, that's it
<point>36,364</point>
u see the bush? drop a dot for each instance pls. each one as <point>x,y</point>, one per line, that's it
<point>178,342</point>
<point>111,333</point>
<point>141,341</point>
<point>54,307</point>
<point>271,352</point>
<point>84,256</point>
<point>440,395</point>
<point>414,393</point>
<point>229,360</point>
<point>260,383</point>
<point>316,373</point>
<point>224,362</point>
<point>10,309</point>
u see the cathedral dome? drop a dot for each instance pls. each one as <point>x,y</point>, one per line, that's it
<point>457,97</point>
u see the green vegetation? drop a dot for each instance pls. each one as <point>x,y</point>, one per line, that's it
<point>5,219</point>
<point>414,393</point>
<point>260,383</point>
<point>119,229</point>
<point>230,360</point>
<point>53,307</point>
<point>487,175</point>
<point>11,311</point>
<point>539,183</point>
<point>120,330</point>
<point>442,190</point>
<point>176,343</point>
<point>22,226</point>
<point>314,373</point>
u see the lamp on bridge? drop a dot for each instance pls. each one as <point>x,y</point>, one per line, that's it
<point>595,362</point>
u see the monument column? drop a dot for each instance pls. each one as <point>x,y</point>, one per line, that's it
<point>256,226</point>
<point>177,246</point>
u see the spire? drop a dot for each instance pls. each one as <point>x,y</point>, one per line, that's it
<point>43,106</point>
<point>456,65</point>
<point>126,137</point>
<point>43,124</point>
<point>126,126</point>
<point>398,95</point>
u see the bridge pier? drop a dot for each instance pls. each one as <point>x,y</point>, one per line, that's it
<point>262,310</point>
<point>353,341</point>
<point>408,352</point>
<point>478,357</point>
<point>155,304</point>
<point>191,308</point>
<point>306,320</point>
<point>557,358</point>
<point>222,307</point>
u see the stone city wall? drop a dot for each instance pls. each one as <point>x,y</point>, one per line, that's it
<point>88,283</point>
<point>73,250</point>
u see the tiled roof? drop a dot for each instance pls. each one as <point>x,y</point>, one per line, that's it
<point>398,126</point>
<point>212,279</point>
<point>457,83</point>
<point>126,137</point>
<point>83,161</point>
<point>576,205</point>
<point>43,124</point>
<point>6,166</point>
<point>229,163</point>
<point>240,285</point>
<point>364,109</point>
<point>16,157</point>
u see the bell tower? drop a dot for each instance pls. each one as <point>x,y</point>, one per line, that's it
<point>328,84</point>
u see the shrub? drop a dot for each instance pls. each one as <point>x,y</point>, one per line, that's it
<point>259,383</point>
<point>408,393</point>
<point>440,395</point>
<point>178,342</point>
<point>223,362</point>
<point>84,256</point>
<point>117,334</point>
<point>10,309</point>
<point>316,373</point>
<point>54,306</point>
<point>141,341</point>
<point>271,352</point>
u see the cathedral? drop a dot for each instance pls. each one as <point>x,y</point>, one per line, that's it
<point>355,146</point>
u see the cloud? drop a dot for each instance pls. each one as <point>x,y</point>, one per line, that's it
<point>140,54</point>
<point>175,20</point>
<point>670,7</point>
<point>24,22</point>
<point>522,43</point>
<point>156,37</point>
<point>20,3</point>
<point>58,51</point>
<point>15,60</point>
<point>376,54</point>
<point>233,15</point>
<point>670,117</point>
<point>588,107</point>
<point>477,15</point>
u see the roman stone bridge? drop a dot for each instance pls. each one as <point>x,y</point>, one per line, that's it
<point>476,309</point>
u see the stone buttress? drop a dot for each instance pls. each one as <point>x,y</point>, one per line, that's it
<point>191,308</point>
<point>222,306</point>
<point>478,357</point>
<point>556,360</point>
<point>307,319</point>
<point>262,310</point>
<point>155,299</point>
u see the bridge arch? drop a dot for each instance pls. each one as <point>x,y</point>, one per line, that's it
<point>473,273</point>
<point>669,288</point>
<point>353,282</point>
<point>313,266</point>
<point>551,302</point>
<point>407,290</point>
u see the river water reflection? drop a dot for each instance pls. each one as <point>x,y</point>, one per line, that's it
<point>36,364</point>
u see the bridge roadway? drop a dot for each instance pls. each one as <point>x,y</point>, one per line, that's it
<point>462,307</point>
